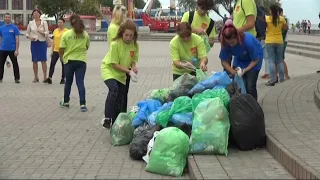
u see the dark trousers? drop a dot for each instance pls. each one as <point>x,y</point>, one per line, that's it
<point>14,60</point>
<point>176,76</point>
<point>117,99</point>
<point>250,80</point>
<point>77,68</point>
<point>54,58</point>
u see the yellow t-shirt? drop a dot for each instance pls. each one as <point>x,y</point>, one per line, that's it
<point>122,54</point>
<point>185,51</point>
<point>57,34</point>
<point>199,22</point>
<point>239,16</point>
<point>112,32</point>
<point>274,33</point>
<point>75,46</point>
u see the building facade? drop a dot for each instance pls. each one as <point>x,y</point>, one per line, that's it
<point>20,11</point>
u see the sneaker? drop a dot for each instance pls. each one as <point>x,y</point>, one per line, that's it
<point>83,108</point>
<point>106,123</point>
<point>64,104</point>
<point>62,81</point>
<point>48,80</point>
<point>270,83</point>
<point>17,81</point>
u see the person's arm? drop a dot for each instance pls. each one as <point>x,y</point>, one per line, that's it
<point>212,35</point>
<point>0,36</point>
<point>202,55</point>
<point>135,60</point>
<point>53,34</point>
<point>62,45</point>
<point>46,29</point>
<point>285,25</point>
<point>249,8</point>
<point>17,33</point>
<point>28,31</point>
<point>114,59</point>
<point>224,57</point>
<point>175,56</point>
<point>88,41</point>
<point>228,67</point>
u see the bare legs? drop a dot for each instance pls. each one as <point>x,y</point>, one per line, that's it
<point>35,71</point>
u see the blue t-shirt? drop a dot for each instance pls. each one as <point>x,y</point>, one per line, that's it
<point>8,33</point>
<point>250,49</point>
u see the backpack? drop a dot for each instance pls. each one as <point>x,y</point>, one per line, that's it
<point>211,24</point>
<point>261,24</point>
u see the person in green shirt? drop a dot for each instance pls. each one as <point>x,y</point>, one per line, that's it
<point>120,60</point>
<point>244,16</point>
<point>118,17</point>
<point>73,48</point>
<point>187,50</point>
<point>201,21</point>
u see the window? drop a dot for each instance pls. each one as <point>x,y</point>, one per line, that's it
<point>17,4</point>
<point>1,17</point>
<point>29,18</point>
<point>18,19</point>
<point>3,4</point>
<point>30,5</point>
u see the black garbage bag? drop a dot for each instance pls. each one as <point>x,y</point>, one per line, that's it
<point>182,86</point>
<point>233,88</point>
<point>138,146</point>
<point>247,122</point>
<point>183,127</point>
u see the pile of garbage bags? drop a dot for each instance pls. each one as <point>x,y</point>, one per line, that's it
<point>199,114</point>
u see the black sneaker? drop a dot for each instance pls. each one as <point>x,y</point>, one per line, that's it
<point>270,83</point>
<point>48,80</point>
<point>17,81</point>
<point>62,81</point>
<point>106,123</point>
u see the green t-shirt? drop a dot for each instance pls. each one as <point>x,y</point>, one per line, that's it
<point>112,32</point>
<point>185,51</point>
<point>122,54</point>
<point>199,22</point>
<point>239,16</point>
<point>75,46</point>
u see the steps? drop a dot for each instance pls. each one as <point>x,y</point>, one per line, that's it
<point>304,48</point>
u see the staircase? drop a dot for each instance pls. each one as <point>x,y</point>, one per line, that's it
<point>304,48</point>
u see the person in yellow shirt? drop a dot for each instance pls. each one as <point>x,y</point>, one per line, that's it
<point>57,34</point>
<point>201,23</point>
<point>274,44</point>
<point>244,16</point>
<point>119,16</point>
<point>184,49</point>
<point>73,48</point>
<point>120,60</point>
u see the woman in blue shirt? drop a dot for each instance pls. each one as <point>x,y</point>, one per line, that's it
<point>247,52</point>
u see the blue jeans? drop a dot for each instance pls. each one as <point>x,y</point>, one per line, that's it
<point>275,57</point>
<point>250,80</point>
<point>77,68</point>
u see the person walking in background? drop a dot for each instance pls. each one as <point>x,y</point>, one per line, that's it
<point>274,44</point>
<point>119,16</point>
<point>57,34</point>
<point>38,32</point>
<point>298,26</point>
<point>120,60</point>
<point>73,48</point>
<point>9,46</point>
<point>309,26</point>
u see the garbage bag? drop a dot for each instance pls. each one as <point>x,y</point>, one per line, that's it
<point>240,83</point>
<point>181,104</point>
<point>182,118</point>
<point>217,79</point>
<point>146,107</point>
<point>152,117</point>
<point>201,75</point>
<point>169,152</point>
<point>219,92</point>
<point>139,144</point>
<point>121,131</point>
<point>233,88</point>
<point>149,148</point>
<point>182,86</point>
<point>210,128</point>
<point>247,122</point>
<point>140,129</point>
<point>160,94</point>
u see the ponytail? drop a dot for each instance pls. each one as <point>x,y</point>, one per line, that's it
<point>275,14</point>
<point>77,24</point>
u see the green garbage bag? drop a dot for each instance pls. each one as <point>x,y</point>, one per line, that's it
<point>181,104</point>
<point>201,75</point>
<point>210,128</point>
<point>169,152</point>
<point>220,92</point>
<point>206,42</point>
<point>122,131</point>
<point>160,94</point>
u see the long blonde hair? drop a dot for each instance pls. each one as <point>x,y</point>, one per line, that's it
<point>119,15</point>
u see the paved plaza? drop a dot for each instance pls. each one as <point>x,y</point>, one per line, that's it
<point>38,139</point>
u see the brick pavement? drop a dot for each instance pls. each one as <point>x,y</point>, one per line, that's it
<point>38,139</point>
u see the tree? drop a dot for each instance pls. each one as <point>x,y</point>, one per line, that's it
<point>156,4</point>
<point>188,4</point>
<point>57,8</point>
<point>139,4</point>
<point>88,7</point>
